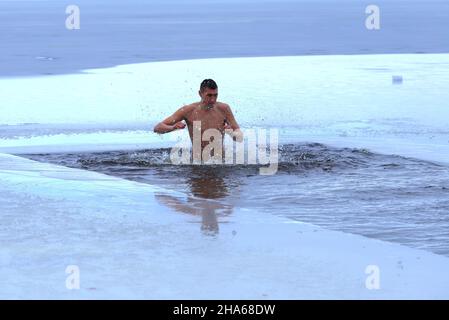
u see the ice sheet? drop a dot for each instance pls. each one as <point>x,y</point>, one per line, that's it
<point>343,99</point>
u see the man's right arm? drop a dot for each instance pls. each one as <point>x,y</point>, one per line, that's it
<point>172,123</point>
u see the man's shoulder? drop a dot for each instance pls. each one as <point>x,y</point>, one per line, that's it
<point>223,106</point>
<point>188,107</point>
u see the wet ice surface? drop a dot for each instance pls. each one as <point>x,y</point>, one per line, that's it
<point>393,198</point>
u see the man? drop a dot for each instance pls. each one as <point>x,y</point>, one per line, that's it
<point>207,113</point>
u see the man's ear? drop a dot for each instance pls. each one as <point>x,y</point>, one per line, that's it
<point>199,93</point>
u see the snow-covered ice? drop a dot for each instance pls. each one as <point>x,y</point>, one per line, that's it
<point>347,99</point>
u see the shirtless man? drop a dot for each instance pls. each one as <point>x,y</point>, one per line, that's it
<point>209,113</point>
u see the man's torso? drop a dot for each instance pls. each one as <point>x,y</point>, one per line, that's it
<point>214,118</point>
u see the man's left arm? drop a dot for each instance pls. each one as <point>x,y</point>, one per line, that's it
<point>236,134</point>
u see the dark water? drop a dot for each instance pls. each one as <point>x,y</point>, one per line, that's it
<point>380,196</point>
<point>34,40</point>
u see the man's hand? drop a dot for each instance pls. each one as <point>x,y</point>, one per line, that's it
<point>165,128</point>
<point>179,125</point>
<point>236,135</point>
<point>174,122</point>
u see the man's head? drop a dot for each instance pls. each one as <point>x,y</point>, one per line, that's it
<point>208,92</point>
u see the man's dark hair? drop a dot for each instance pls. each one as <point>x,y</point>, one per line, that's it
<point>208,83</point>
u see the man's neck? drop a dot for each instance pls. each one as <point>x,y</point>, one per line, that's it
<point>205,106</point>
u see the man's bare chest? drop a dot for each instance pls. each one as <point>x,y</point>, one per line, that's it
<point>212,119</point>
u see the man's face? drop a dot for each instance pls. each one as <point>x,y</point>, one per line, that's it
<point>209,96</point>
